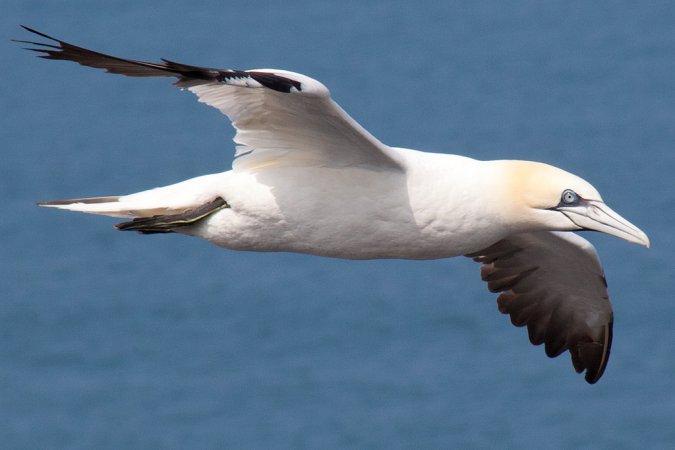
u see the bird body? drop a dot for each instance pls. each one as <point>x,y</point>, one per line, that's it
<point>307,178</point>
<point>360,213</point>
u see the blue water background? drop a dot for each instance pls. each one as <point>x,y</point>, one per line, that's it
<point>117,340</point>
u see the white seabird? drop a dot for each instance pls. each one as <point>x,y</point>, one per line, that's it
<point>307,178</point>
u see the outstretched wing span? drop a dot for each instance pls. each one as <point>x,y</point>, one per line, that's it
<point>282,118</point>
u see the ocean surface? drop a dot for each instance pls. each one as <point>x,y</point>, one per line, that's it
<point>114,340</point>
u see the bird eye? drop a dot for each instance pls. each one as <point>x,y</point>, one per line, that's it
<point>569,197</point>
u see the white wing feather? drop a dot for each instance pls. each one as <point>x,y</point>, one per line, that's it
<point>299,128</point>
<point>281,117</point>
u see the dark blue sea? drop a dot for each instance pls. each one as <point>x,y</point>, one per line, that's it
<point>112,340</point>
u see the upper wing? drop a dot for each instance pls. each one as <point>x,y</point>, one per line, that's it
<point>281,118</point>
<point>553,283</point>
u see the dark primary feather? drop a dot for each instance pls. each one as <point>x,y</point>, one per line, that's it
<point>168,223</point>
<point>556,288</point>
<point>185,73</point>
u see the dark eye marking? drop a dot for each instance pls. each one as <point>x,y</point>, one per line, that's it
<point>569,197</point>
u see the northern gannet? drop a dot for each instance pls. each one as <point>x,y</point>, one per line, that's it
<point>307,178</point>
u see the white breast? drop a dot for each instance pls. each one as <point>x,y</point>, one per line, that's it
<point>430,210</point>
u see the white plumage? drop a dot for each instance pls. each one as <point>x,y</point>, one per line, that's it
<point>307,178</point>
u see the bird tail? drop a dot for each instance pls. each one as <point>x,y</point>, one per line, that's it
<point>159,210</point>
<point>106,206</point>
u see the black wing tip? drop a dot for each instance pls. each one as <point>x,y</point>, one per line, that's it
<point>593,355</point>
<point>595,371</point>
<point>592,377</point>
<point>39,33</point>
<point>43,47</point>
<point>33,30</point>
<point>48,50</point>
<point>184,72</point>
<point>596,362</point>
<point>62,50</point>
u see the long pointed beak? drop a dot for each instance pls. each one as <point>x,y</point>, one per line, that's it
<point>595,215</point>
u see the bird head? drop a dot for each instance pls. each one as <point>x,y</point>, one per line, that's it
<point>548,198</point>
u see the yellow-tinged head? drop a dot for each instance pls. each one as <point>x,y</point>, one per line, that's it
<point>540,196</point>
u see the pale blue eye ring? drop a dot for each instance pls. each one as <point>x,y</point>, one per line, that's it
<point>569,197</point>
